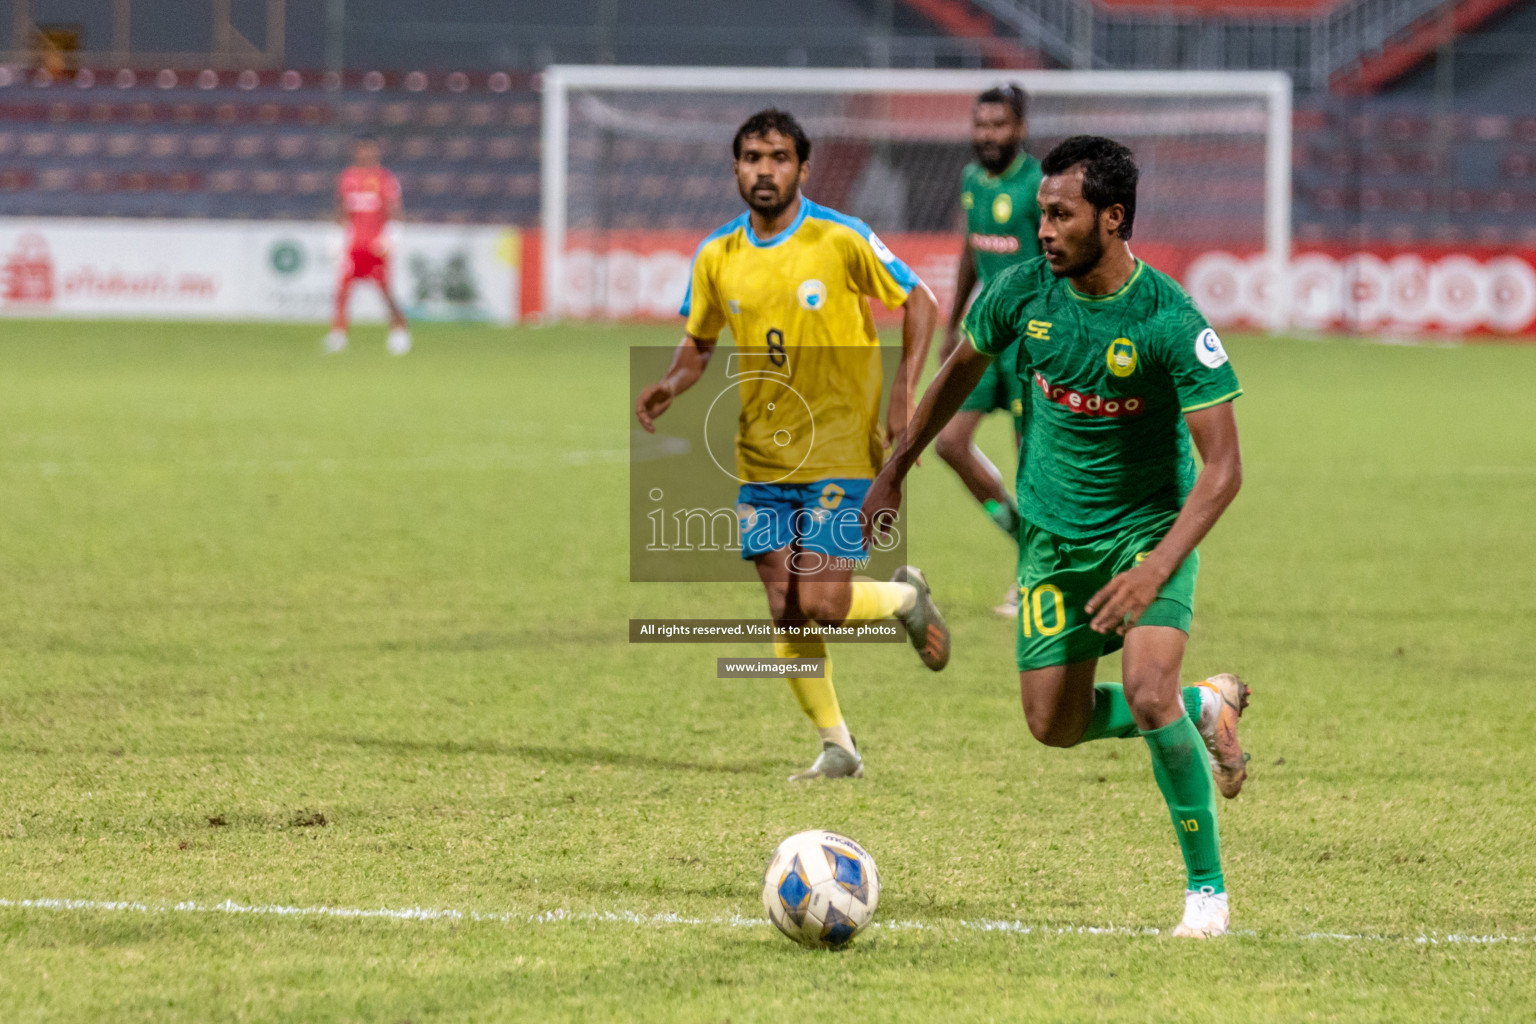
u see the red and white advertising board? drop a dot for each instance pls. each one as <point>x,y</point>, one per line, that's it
<point>249,270</point>
<point>643,275</point>
<point>1393,291</point>
<point>94,268</point>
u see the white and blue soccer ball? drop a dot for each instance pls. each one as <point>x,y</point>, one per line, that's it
<point>821,889</point>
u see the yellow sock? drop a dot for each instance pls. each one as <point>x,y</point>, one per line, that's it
<point>816,696</point>
<point>874,601</point>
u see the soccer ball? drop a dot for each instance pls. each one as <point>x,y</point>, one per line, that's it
<point>821,889</point>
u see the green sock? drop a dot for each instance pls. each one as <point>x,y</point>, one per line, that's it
<point>1112,715</point>
<point>1183,772</point>
<point>1004,515</point>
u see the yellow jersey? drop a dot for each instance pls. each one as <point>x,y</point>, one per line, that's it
<point>807,359</point>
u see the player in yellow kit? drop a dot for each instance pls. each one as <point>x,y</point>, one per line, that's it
<point>792,279</point>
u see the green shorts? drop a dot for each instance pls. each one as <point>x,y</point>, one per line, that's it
<point>1057,577</point>
<point>999,388</point>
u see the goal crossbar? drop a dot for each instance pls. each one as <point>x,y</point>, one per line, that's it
<point>1272,87</point>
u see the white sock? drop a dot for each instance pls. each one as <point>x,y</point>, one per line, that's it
<point>838,734</point>
<point>1210,707</point>
<point>908,598</point>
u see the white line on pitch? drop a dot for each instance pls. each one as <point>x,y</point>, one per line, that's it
<point>664,919</point>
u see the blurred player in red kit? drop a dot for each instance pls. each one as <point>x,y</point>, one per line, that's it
<point>367,198</point>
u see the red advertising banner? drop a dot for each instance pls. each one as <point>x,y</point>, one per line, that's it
<point>1464,290</point>
<point>1392,290</point>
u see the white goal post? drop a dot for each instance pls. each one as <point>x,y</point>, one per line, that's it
<point>661,106</point>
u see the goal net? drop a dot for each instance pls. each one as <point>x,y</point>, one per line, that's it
<point>636,167</point>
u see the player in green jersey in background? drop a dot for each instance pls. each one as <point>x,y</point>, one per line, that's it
<point>997,192</point>
<point>1122,373</point>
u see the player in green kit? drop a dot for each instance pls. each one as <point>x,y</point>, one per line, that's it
<point>997,192</point>
<point>1123,373</point>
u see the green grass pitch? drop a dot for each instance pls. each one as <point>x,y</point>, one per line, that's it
<point>291,631</point>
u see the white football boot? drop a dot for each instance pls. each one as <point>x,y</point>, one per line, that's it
<point>335,341</point>
<point>834,762</point>
<point>1206,914</point>
<point>399,341</point>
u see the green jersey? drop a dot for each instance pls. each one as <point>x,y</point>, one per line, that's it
<point>1002,216</point>
<point>1108,379</point>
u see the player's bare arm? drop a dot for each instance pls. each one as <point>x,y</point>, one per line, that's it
<point>688,364</point>
<point>920,313</point>
<point>1121,601</point>
<point>955,380</point>
<point>965,283</point>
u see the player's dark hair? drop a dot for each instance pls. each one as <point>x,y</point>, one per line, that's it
<point>772,120</point>
<point>363,137</point>
<point>1010,96</point>
<point>1109,173</point>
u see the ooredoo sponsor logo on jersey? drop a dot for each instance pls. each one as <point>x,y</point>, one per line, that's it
<point>1089,404</point>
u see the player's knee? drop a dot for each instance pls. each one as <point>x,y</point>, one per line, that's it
<point>780,609</point>
<point>1048,726</point>
<point>1154,704</point>
<point>824,605</point>
<point>1050,731</point>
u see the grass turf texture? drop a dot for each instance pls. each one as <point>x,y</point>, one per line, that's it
<point>248,589</point>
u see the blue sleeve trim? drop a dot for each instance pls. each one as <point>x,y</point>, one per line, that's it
<point>902,273</point>
<point>719,232</point>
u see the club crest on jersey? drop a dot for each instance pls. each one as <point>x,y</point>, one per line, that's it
<point>1002,208</point>
<point>1121,357</point>
<point>812,294</point>
<point>1208,349</point>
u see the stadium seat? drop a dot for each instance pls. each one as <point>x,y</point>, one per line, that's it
<point>291,147</point>
<point>460,148</point>
<point>418,147</point>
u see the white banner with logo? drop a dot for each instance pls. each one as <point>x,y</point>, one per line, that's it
<point>247,270</point>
